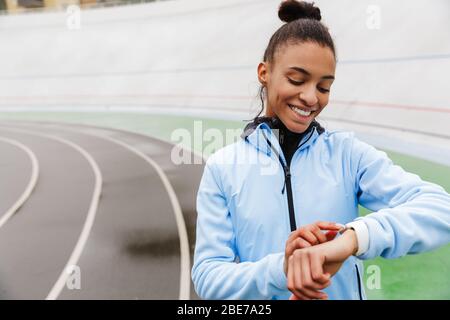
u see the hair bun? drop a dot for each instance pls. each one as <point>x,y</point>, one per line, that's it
<point>291,10</point>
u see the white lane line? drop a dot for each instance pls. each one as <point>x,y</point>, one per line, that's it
<point>185,277</point>
<point>31,183</point>
<point>196,153</point>
<point>185,272</point>
<point>76,253</point>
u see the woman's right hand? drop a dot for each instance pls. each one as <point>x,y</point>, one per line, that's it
<point>307,236</point>
<point>311,268</point>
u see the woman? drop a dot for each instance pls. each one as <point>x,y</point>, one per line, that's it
<point>259,197</point>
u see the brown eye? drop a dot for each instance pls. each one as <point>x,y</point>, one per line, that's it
<point>297,83</point>
<point>324,90</point>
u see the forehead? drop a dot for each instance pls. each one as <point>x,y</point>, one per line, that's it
<point>318,60</point>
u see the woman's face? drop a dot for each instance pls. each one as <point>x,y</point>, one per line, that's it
<point>298,83</point>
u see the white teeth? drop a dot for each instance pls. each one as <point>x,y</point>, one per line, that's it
<point>301,112</point>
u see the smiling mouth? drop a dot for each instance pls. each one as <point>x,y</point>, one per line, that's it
<point>300,112</point>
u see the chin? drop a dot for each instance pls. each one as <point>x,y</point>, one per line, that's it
<point>297,127</point>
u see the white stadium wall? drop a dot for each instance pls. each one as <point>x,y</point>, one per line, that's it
<point>199,57</point>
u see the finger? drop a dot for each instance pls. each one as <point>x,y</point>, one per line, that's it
<point>298,243</point>
<point>294,234</point>
<point>297,279</point>
<point>323,225</point>
<point>309,236</point>
<point>309,286</point>
<point>317,273</point>
<point>318,234</point>
<point>290,275</point>
<point>294,297</point>
<point>300,233</point>
<point>291,280</point>
<point>300,260</point>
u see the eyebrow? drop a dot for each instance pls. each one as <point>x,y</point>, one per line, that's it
<point>308,73</point>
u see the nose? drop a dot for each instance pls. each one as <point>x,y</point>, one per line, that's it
<point>308,96</point>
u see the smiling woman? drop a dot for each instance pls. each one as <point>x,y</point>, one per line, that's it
<point>298,67</point>
<point>249,244</point>
<point>299,83</point>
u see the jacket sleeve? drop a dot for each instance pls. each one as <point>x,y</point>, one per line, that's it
<point>410,215</point>
<point>215,272</point>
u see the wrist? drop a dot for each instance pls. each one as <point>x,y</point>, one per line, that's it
<point>351,240</point>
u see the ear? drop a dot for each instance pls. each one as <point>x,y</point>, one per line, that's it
<point>263,73</point>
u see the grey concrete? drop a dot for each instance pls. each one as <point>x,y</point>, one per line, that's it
<point>36,242</point>
<point>15,173</point>
<point>133,249</point>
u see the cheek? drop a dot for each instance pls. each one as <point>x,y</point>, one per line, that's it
<point>322,106</point>
<point>323,100</point>
<point>282,94</point>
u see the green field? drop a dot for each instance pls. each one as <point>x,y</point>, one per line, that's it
<point>413,277</point>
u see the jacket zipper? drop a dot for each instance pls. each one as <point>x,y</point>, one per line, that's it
<point>287,179</point>
<point>359,282</point>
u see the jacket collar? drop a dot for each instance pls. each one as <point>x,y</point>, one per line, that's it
<point>261,135</point>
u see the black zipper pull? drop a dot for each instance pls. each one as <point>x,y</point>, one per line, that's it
<point>287,172</point>
<point>287,175</point>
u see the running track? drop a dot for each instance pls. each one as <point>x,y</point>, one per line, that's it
<point>110,202</point>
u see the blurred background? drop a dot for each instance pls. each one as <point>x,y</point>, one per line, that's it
<point>139,71</point>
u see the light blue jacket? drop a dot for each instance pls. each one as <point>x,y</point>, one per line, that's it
<point>243,221</point>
